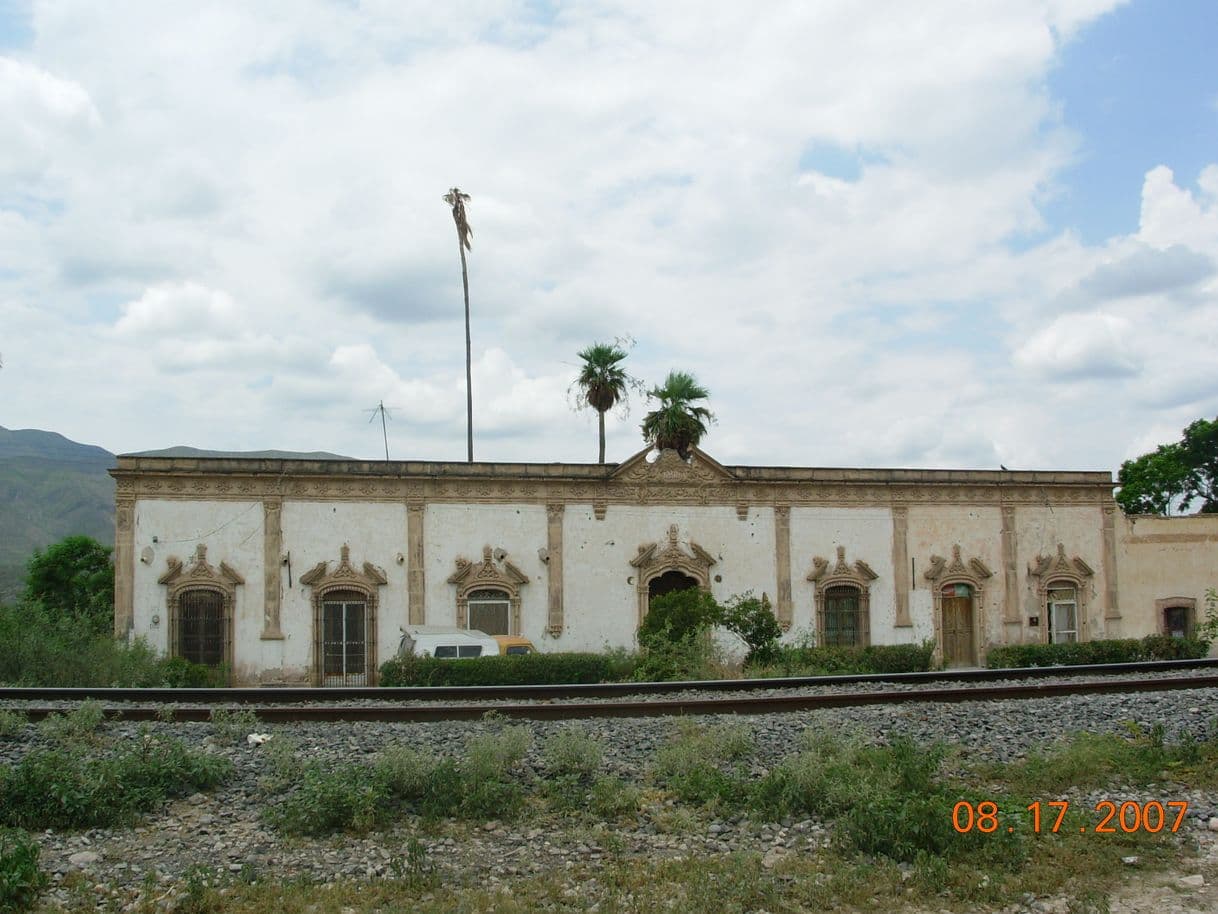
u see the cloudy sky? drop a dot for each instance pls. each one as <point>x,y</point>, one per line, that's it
<point>974,234</point>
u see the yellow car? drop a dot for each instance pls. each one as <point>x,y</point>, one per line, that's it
<point>514,644</point>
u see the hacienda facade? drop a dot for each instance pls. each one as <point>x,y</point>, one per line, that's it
<point>305,571</point>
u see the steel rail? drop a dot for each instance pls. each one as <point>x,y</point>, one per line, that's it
<point>267,695</point>
<point>772,704</point>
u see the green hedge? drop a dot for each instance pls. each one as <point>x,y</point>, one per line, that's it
<point>1127,650</point>
<point>829,661</point>
<point>520,669</point>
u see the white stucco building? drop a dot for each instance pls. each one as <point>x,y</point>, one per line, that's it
<point>305,570</point>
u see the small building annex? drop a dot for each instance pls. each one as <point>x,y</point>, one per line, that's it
<point>304,571</point>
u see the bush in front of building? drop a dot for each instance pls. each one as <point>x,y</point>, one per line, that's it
<point>795,660</point>
<point>517,669</point>
<point>1115,650</point>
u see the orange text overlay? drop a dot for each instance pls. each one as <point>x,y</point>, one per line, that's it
<point>1110,817</point>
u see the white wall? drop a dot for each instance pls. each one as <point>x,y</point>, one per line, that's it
<point>452,531</point>
<point>316,532</point>
<point>600,596</point>
<point>232,533</point>
<point>867,534</point>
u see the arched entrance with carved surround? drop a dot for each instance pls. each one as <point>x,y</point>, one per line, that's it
<point>670,568</point>
<point>959,617</point>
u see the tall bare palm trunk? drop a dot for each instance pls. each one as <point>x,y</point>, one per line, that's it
<point>601,416</point>
<point>469,383</point>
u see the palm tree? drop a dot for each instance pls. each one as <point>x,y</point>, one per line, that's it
<point>602,381</point>
<point>456,200</point>
<point>677,423</point>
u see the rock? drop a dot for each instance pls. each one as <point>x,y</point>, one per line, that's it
<point>1194,881</point>
<point>1130,861</point>
<point>84,858</point>
<point>1212,825</point>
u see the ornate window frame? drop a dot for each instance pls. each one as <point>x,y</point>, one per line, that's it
<point>345,577</point>
<point>652,561</point>
<point>201,575</point>
<point>488,574</point>
<point>857,576</point>
<point>974,573</point>
<point>1161,607</point>
<point>1048,571</point>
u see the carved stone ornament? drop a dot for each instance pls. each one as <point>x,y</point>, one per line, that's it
<point>669,468</point>
<point>200,575</point>
<point>488,574</point>
<point>857,576</point>
<point>1054,571</point>
<point>653,561</point>
<point>345,577</point>
<point>957,571</point>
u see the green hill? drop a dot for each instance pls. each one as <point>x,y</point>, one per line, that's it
<point>50,487</point>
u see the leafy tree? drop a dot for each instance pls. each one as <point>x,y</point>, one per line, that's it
<point>753,621</point>
<point>1200,451</point>
<point>74,578</point>
<point>677,423</point>
<point>603,382</point>
<point>1175,476</point>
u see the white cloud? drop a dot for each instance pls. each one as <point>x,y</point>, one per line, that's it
<point>242,234</point>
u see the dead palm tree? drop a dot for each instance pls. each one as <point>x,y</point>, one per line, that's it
<point>602,382</point>
<point>456,200</point>
<point>677,423</point>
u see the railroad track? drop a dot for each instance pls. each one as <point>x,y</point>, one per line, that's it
<point>177,705</point>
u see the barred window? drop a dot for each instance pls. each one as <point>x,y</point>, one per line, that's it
<point>842,623</point>
<point>1063,614</point>
<point>344,638</point>
<point>201,626</point>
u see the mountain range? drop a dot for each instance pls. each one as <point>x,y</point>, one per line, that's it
<point>52,487</point>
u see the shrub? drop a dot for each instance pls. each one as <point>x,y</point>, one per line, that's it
<point>835,661</point>
<point>753,621</point>
<point>679,616</point>
<point>694,658</point>
<point>518,669</point>
<point>180,673</point>
<point>612,798</point>
<point>20,878</point>
<point>59,788</point>
<point>1128,650</point>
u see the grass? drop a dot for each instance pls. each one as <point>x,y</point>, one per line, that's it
<point>233,725</point>
<point>20,877</point>
<point>78,727</point>
<point>11,723</point>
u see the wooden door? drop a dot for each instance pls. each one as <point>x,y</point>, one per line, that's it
<point>958,631</point>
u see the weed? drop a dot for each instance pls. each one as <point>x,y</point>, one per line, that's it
<point>79,726</point>
<point>692,764</point>
<point>285,765</point>
<point>572,751</point>
<point>20,878</point>
<point>60,788</point>
<point>233,725</point>
<point>612,798</point>
<point>415,870</point>
<point>330,799</point>
<point>166,714</point>
<point>11,723</point>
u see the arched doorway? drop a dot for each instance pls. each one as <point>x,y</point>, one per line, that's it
<point>957,604</point>
<point>669,582</point>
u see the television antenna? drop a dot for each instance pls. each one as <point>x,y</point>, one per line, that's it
<point>384,413</point>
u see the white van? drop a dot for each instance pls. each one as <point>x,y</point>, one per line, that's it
<point>447,643</point>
